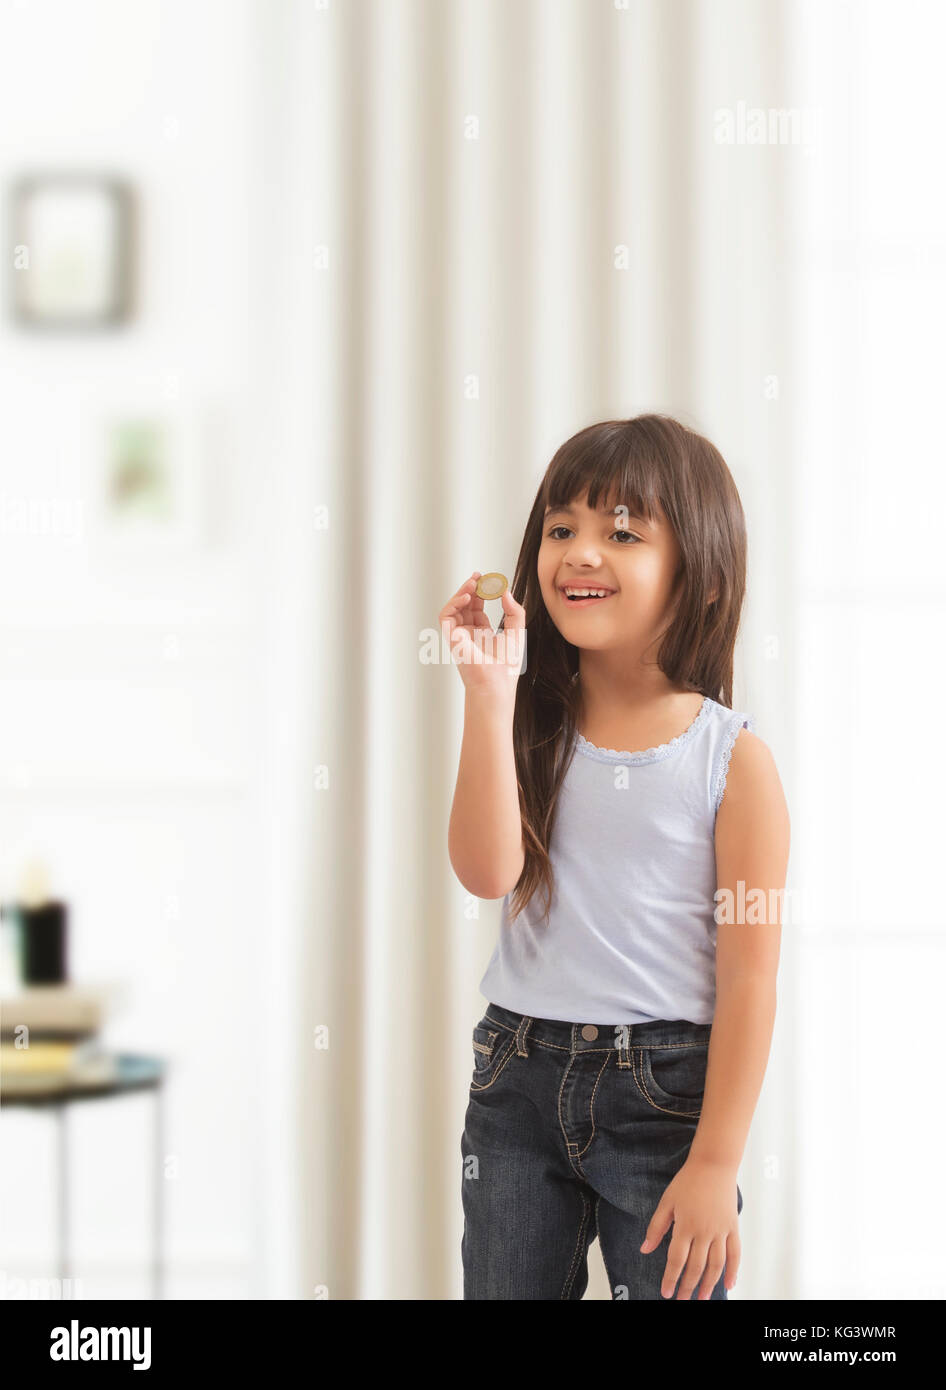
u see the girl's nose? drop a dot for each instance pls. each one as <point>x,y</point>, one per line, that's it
<point>583,554</point>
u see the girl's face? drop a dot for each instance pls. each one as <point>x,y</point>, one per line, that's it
<point>632,559</point>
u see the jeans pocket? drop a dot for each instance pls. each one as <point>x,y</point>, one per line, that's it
<point>491,1046</point>
<point>672,1078</point>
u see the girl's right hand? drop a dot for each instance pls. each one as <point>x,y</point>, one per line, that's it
<point>487,660</point>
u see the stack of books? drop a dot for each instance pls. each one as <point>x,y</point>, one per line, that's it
<point>50,1040</point>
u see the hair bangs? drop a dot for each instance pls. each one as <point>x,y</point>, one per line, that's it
<point>616,472</point>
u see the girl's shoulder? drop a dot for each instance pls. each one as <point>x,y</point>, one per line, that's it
<point>748,783</point>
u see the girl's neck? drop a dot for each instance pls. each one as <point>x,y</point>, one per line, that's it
<point>642,718</point>
<point>617,693</point>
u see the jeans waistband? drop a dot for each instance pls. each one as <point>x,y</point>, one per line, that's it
<point>579,1037</point>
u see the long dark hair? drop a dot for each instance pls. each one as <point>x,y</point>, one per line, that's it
<point>651,462</point>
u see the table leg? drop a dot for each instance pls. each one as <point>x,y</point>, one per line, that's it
<point>62,1147</point>
<point>157,1273</point>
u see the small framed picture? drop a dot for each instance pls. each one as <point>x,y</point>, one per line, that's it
<point>145,468</point>
<point>71,266</point>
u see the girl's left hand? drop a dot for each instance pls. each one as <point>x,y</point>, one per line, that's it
<point>701,1201</point>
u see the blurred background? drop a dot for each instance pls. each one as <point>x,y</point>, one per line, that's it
<point>299,300</point>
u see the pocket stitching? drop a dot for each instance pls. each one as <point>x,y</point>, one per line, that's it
<point>487,1047</point>
<point>638,1068</point>
<point>496,1066</point>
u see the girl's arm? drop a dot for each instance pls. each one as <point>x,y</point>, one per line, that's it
<point>485,835</point>
<point>752,838</point>
<point>752,846</point>
<point>484,840</point>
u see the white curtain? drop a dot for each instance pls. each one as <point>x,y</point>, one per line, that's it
<point>485,225</point>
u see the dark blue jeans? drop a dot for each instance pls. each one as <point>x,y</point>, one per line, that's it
<point>572,1132</point>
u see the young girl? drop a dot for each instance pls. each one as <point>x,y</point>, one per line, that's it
<point>618,1063</point>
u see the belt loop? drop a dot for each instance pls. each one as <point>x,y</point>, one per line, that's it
<point>524,1025</point>
<point>623,1043</point>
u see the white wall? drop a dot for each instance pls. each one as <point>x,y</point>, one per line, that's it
<point>131,690</point>
<point>871,605</point>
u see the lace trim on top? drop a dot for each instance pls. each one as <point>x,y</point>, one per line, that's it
<point>739,721</point>
<point>648,755</point>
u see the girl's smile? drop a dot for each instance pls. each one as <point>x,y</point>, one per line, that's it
<point>584,595</point>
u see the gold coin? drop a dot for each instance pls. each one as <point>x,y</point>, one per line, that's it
<point>492,585</point>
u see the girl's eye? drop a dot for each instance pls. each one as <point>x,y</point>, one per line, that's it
<point>629,534</point>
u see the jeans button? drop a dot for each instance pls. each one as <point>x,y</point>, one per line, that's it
<point>589,1032</point>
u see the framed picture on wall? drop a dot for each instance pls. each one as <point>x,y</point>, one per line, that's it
<point>71,265</point>
<point>145,471</point>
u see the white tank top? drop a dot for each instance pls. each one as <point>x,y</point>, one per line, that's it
<point>631,934</point>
